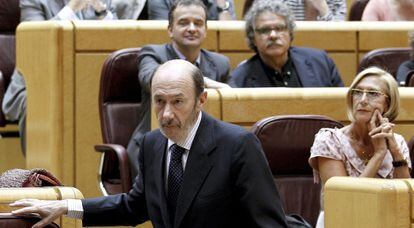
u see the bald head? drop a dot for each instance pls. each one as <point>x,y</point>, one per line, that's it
<point>180,71</point>
<point>177,97</point>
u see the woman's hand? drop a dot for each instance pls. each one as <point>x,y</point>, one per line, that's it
<point>382,134</point>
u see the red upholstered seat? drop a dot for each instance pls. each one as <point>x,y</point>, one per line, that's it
<point>119,105</point>
<point>388,59</point>
<point>286,141</point>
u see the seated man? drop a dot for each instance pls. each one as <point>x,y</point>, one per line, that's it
<point>14,102</point>
<point>269,29</point>
<point>406,67</point>
<point>187,28</point>
<point>195,171</point>
<point>216,9</point>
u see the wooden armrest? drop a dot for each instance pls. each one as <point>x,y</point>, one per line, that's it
<point>124,168</point>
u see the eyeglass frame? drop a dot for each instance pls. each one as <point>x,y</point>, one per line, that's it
<point>368,92</point>
<point>279,29</point>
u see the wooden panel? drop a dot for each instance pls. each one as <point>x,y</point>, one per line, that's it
<point>370,40</point>
<point>345,62</point>
<point>366,202</point>
<point>258,103</point>
<point>88,130</point>
<point>45,58</point>
<point>326,40</point>
<point>237,57</point>
<point>114,35</point>
<point>238,7</point>
<point>232,36</point>
<point>11,155</point>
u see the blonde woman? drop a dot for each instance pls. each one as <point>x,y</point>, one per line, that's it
<point>368,147</point>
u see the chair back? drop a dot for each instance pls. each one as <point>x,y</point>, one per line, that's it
<point>286,141</point>
<point>388,59</point>
<point>8,220</point>
<point>119,108</point>
<point>246,6</point>
<point>357,9</point>
<point>9,19</point>
<point>409,79</point>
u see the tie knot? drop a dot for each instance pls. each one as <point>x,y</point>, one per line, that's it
<point>176,151</point>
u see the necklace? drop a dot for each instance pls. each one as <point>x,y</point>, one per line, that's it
<point>359,147</point>
<point>366,158</point>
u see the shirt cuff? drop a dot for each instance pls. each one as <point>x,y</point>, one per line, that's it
<point>108,16</point>
<point>67,14</point>
<point>75,209</point>
<point>326,17</point>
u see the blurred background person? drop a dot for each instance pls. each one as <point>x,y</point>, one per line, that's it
<point>389,10</point>
<point>217,9</point>
<point>313,10</point>
<point>368,147</point>
<point>407,67</point>
<point>14,101</point>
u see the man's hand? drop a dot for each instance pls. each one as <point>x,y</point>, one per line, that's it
<point>320,5</point>
<point>49,210</point>
<point>97,5</point>
<point>77,5</point>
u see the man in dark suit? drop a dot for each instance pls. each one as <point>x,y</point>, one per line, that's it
<point>187,29</point>
<point>269,29</point>
<point>195,171</point>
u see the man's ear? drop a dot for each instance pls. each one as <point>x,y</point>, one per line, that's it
<point>170,32</point>
<point>202,99</point>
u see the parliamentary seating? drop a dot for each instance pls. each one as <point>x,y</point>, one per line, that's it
<point>368,202</point>
<point>67,58</point>
<point>388,59</point>
<point>286,142</point>
<point>9,19</point>
<point>409,79</point>
<point>119,108</point>
<point>9,195</point>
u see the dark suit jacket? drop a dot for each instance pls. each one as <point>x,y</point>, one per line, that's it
<point>314,68</point>
<point>212,65</point>
<point>226,183</point>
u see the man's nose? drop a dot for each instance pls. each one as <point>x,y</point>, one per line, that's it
<point>273,34</point>
<point>168,112</point>
<point>191,27</point>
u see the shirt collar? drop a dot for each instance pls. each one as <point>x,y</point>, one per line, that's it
<point>181,56</point>
<point>190,137</point>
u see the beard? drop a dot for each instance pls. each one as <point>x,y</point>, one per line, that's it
<point>175,130</point>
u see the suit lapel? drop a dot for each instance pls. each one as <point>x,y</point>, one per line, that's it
<point>56,6</point>
<point>257,69</point>
<point>207,67</point>
<point>159,173</point>
<point>198,166</point>
<point>304,69</point>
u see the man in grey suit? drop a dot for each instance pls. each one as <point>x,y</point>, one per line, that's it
<point>14,102</point>
<point>187,30</point>
<point>269,30</point>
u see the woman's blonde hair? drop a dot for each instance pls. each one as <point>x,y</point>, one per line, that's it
<point>393,99</point>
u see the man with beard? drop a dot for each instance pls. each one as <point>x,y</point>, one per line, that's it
<point>187,28</point>
<point>269,29</point>
<point>195,171</point>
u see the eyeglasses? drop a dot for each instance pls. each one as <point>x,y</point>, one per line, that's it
<point>371,94</point>
<point>268,30</point>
